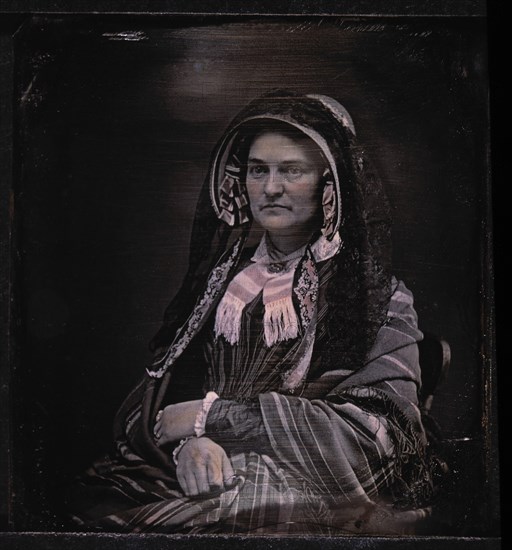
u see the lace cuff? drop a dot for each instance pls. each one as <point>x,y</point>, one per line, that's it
<point>177,450</point>
<point>200,423</point>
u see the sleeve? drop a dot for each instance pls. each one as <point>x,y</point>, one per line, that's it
<point>348,441</point>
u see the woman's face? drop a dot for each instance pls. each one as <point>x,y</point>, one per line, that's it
<point>283,177</point>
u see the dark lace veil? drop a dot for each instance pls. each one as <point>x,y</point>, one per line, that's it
<point>359,293</point>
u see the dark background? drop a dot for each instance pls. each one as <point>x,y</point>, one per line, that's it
<point>116,122</point>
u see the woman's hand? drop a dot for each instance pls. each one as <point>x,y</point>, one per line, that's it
<point>176,422</point>
<point>203,467</point>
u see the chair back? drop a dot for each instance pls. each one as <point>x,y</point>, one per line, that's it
<point>435,356</point>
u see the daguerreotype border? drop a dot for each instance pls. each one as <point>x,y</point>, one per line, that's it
<point>18,19</point>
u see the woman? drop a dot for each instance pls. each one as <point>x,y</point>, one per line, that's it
<point>283,393</point>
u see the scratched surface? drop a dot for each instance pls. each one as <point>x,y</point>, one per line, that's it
<point>6,69</point>
<point>117,122</point>
<point>305,7</point>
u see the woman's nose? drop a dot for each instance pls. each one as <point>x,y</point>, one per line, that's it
<point>273,183</point>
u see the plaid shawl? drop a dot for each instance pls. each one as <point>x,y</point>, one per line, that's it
<point>330,460</point>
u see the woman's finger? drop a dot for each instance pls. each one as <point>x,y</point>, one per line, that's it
<point>182,480</point>
<point>190,481</point>
<point>158,427</point>
<point>159,419</point>
<point>201,478</point>
<point>214,472</point>
<point>228,474</point>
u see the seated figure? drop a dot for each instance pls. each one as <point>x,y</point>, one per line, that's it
<point>283,394</point>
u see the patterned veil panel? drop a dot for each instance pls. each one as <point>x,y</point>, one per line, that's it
<point>233,200</point>
<point>329,206</point>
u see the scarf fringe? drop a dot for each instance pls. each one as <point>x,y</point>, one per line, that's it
<point>228,318</point>
<point>280,321</point>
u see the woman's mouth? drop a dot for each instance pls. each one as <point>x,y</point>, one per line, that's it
<point>271,206</point>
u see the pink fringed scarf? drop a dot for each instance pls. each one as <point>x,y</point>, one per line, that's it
<point>273,273</point>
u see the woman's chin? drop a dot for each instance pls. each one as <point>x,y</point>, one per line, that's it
<point>277,220</point>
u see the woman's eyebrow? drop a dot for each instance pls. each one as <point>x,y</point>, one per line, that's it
<point>301,162</point>
<point>255,160</point>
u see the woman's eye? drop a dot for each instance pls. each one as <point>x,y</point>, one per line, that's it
<point>257,171</point>
<point>294,171</point>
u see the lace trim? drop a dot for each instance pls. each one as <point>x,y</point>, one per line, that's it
<point>213,287</point>
<point>306,291</point>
